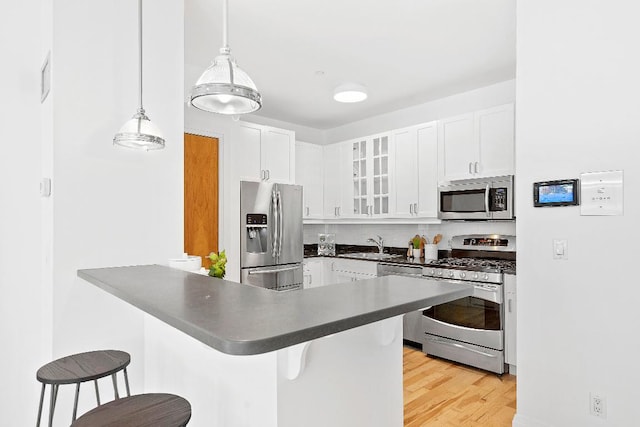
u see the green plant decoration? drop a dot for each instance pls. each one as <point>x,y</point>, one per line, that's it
<point>416,242</point>
<point>218,264</point>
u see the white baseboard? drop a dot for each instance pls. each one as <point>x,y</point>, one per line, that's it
<point>524,421</point>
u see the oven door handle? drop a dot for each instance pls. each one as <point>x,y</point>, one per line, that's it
<point>486,201</point>
<point>456,345</point>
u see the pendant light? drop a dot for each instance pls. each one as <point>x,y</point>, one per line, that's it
<point>139,133</point>
<point>224,88</point>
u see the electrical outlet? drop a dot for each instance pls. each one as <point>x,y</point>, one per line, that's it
<point>598,405</point>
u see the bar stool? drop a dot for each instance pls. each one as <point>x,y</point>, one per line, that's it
<point>79,368</point>
<point>142,410</point>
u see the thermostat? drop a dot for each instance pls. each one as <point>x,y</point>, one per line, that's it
<point>563,192</point>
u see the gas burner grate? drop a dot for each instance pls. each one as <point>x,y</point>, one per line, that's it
<point>473,263</point>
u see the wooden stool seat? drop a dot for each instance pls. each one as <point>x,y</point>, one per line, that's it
<point>82,367</point>
<point>79,368</point>
<point>142,410</point>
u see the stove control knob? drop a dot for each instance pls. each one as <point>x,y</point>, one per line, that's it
<point>485,276</point>
<point>475,275</point>
<point>439,272</point>
<point>451,274</point>
<point>463,274</point>
<point>432,272</point>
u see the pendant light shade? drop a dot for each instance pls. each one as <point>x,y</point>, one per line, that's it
<point>224,88</point>
<point>139,133</point>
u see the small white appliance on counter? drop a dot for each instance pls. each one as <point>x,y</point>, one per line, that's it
<point>271,241</point>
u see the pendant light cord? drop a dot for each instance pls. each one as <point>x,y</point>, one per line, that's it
<point>225,30</point>
<point>141,109</point>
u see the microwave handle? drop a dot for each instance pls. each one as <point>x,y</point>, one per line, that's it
<point>486,201</point>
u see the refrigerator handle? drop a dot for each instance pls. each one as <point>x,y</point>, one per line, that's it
<point>273,270</point>
<point>280,223</point>
<point>274,243</point>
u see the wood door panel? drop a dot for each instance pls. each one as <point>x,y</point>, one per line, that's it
<point>200,196</point>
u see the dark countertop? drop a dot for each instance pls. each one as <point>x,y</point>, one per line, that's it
<point>343,251</point>
<point>242,319</point>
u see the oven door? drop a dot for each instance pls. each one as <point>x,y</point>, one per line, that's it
<point>477,319</point>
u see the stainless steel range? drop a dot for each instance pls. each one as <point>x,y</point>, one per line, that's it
<point>471,330</point>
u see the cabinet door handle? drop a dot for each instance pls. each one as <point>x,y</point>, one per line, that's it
<point>415,209</point>
<point>262,174</point>
<point>470,167</point>
<point>307,209</point>
<point>509,305</point>
<point>411,208</point>
<point>476,167</point>
<point>335,211</point>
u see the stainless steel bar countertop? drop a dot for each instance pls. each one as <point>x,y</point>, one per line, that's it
<point>241,319</point>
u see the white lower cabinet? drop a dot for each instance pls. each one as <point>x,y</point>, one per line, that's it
<point>328,271</point>
<point>510,322</point>
<point>312,273</point>
<point>349,270</point>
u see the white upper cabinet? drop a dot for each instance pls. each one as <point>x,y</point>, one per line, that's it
<point>416,171</point>
<point>496,139</point>
<point>370,161</point>
<point>337,176</point>
<point>479,144</point>
<point>309,174</point>
<point>264,152</point>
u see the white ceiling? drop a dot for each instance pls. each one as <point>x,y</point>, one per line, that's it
<point>406,52</point>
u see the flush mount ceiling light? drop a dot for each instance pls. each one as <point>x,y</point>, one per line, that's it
<point>350,92</point>
<point>224,88</point>
<point>139,133</point>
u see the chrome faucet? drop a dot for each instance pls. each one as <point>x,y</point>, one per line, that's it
<point>379,243</point>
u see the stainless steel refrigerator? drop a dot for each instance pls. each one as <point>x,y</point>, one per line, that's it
<point>271,248</point>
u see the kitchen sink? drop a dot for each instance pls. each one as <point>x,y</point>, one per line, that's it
<point>371,256</point>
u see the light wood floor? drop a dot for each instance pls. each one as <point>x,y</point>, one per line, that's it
<point>445,394</point>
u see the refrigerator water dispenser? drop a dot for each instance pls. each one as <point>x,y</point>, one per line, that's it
<point>256,233</point>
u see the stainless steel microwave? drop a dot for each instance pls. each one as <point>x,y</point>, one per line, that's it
<point>477,199</point>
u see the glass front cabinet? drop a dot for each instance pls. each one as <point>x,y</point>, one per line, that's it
<point>370,161</point>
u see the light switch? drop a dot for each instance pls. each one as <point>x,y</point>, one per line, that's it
<point>560,249</point>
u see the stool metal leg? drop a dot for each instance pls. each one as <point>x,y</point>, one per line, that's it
<point>52,403</point>
<point>115,386</point>
<point>75,403</point>
<point>40,406</point>
<point>126,382</point>
<point>97,392</point>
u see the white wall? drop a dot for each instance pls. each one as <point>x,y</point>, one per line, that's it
<point>24,305</point>
<point>577,111</point>
<point>398,235</point>
<point>108,206</point>
<point>112,206</point>
<point>489,96</point>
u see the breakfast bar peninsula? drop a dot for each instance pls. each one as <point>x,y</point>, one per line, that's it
<point>246,356</point>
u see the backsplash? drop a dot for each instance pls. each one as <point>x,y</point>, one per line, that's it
<point>398,235</point>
